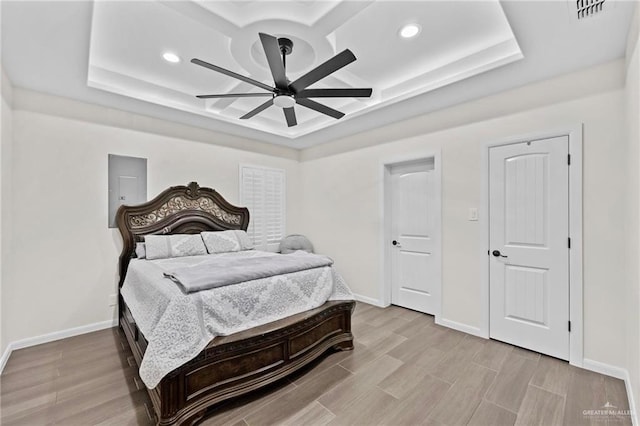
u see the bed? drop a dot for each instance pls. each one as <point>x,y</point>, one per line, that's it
<point>232,365</point>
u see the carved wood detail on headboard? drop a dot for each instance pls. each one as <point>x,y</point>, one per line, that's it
<point>178,210</point>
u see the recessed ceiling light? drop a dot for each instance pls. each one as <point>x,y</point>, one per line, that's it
<point>410,30</point>
<point>171,57</point>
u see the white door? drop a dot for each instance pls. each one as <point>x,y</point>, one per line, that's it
<point>415,268</point>
<point>529,245</point>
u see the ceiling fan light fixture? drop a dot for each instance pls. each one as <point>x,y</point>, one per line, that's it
<point>284,101</point>
<point>171,57</point>
<point>410,30</point>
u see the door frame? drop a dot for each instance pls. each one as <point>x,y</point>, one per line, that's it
<point>385,272</point>
<point>574,132</point>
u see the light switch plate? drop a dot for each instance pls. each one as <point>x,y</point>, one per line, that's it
<point>113,299</point>
<point>473,214</point>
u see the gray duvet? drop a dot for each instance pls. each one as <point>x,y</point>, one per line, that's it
<point>220,272</point>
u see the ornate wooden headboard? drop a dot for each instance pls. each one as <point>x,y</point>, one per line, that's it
<point>178,210</point>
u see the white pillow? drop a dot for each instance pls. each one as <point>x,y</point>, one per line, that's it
<point>141,251</point>
<point>178,245</point>
<point>221,241</point>
<point>244,240</point>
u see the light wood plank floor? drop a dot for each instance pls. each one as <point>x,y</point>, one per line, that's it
<point>405,370</point>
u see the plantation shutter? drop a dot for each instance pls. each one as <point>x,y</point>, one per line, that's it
<point>262,191</point>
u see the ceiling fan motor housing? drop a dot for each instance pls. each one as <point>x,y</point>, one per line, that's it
<point>286,45</point>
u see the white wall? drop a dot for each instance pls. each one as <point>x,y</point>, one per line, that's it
<point>59,200</point>
<point>341,200</point>
<point>5,194</point>
<point>632,94</point>
<point>4,120</point>
<point>64,256</point>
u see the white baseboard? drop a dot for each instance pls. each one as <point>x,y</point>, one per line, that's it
<point>618,373</point>
<point>50,337</point>
<point>632,400</point>
<point>5,356</point>
<point>459,326</point>
<point>440,321</point>
<point>606,369</point>
<point>369,300</point>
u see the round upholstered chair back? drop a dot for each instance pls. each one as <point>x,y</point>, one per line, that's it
<point>294,242</point>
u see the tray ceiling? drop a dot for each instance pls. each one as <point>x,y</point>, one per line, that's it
<point>109,53</point>
<point>128,40</point>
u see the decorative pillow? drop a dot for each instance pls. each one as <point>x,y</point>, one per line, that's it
<point>141,251</point>
<point>221,241</point>
<point>295,242</point>
<point>178,245</point>
<point>244,240</point>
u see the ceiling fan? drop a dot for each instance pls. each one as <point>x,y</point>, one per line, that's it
<point>285,94</point>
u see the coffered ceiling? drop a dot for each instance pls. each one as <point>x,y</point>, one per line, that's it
<point>111,53</point>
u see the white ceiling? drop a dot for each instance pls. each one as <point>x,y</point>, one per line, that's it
<point>110,53</point>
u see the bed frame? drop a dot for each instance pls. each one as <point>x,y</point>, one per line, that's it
<point>232,365</point>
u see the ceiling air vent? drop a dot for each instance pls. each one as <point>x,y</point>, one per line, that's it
<point>586,8</point>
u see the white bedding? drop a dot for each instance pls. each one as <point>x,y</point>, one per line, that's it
<point>178,326</point>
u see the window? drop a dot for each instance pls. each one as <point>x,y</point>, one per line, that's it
<point>262,191</point>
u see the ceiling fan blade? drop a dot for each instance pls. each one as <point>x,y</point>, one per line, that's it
<point>231,74</point>
<point>320,108</point>
<point>290,115</point>
<point>334,93</point>
<point>257,110</point>
<point>272,50</point>
<point>321,71</point>
<point>234,95</point>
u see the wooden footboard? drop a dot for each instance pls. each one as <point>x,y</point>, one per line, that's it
<point>240,363</point>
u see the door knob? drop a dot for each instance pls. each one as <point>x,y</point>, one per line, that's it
<point>496,253</point>
<point>395,243</point>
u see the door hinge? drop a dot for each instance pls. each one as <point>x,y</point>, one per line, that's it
<point>569,159</point>
<point>569,326</point>
<point>569,242</point>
